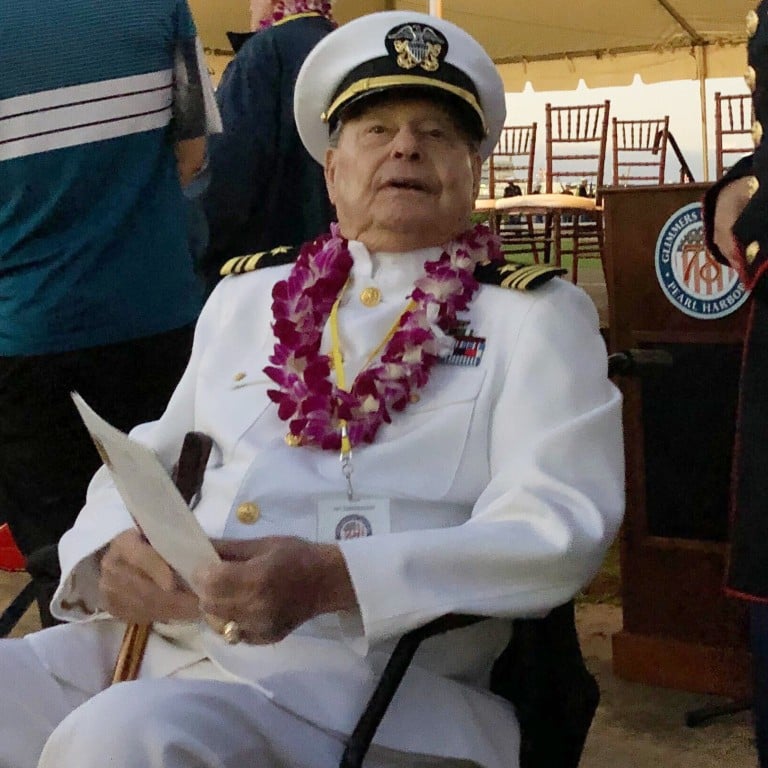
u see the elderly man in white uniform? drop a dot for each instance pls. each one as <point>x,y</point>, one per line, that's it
<point>485,446</point>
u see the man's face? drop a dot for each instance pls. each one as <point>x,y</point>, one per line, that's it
<point>260,10</point>
<point>403,176</point>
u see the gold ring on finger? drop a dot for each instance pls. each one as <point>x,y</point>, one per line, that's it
<point>231,632</point>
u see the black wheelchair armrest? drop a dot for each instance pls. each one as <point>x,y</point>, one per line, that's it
<point>541,672</point>
<point>361,738</point>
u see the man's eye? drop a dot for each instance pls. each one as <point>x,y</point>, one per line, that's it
<point>376,128</point>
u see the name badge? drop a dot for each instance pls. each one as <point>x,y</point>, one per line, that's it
<point>339,519</point>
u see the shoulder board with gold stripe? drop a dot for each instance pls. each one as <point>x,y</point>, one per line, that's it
<point>510,274</point>
<point>283,254</point>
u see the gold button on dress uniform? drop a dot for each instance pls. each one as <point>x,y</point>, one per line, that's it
<point>750,78</point>
<point>752,23</point>
<point>757,132</point>
<point>370,296</point>
<point>248,512</point>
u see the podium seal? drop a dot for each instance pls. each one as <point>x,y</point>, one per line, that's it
<point>688,274</point>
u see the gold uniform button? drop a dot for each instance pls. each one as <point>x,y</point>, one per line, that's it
<point>752,23</point>
<point>248,512</point>
<point>753,249</point>
<point>753,185</point>
<point>750,78</point>
<point>239,376</point>
<point>370,296</point>
<point>757,132</point>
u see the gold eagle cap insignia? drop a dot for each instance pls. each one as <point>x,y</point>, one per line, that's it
<point>418,45</point>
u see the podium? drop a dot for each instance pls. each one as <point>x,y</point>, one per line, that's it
<point>666,292</point>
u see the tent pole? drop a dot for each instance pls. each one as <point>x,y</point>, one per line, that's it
<point>436,8</point>
<point>701,66</point>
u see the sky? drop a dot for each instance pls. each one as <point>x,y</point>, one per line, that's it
<point>678,99</point>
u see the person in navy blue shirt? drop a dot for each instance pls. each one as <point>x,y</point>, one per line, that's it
<point>104,108</point>
<point>265,190</point>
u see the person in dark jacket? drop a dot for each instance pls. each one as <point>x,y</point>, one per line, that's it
<point>264,187</point>
<point>736,221</point>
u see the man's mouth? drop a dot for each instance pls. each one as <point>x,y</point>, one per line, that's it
<point>413,185</point>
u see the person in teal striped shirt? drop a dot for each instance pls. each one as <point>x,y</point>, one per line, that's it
<point>104,109</point>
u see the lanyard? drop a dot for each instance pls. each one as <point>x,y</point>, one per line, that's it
<point>345,456</point>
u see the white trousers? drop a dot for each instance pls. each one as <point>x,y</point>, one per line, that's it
<point>175,722</point>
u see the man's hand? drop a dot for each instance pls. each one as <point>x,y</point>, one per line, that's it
<point>139,587</point>
<point>730,203</point>
<point>270,586</point>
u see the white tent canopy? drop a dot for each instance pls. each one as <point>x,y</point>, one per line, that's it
<point>555,43</point>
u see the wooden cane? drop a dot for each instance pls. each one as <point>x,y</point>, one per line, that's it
<point>188,477</point>
<point>131,653</point>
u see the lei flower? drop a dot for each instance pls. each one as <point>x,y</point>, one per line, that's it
<point>292,7</point>
<point>301,305</point>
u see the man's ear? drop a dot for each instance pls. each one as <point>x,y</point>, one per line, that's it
<point>330,173</point>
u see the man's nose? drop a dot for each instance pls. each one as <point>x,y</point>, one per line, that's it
<point>406,143</point>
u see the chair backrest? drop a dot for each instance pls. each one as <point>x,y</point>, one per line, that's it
<point>512,160</point>
<point>576,137</point>
<point>734,117</point>
<point>640,151</point>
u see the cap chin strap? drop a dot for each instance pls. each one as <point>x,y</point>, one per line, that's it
<point>392,82</point>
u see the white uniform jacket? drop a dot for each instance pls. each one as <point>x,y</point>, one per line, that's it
<point>505,481</point>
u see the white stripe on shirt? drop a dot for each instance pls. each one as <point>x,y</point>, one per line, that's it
<point>82,114</point>
<point>213,121</point>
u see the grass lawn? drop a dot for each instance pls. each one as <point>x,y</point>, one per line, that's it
<point>590,269</point>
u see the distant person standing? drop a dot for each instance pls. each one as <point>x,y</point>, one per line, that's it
<point>512,189</point>
<point>265,189</point>
<point>103,116</point>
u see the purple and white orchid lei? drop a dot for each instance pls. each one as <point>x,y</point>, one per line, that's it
<point>306,397</point>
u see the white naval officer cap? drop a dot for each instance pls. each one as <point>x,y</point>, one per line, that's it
<point>390,50</point>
